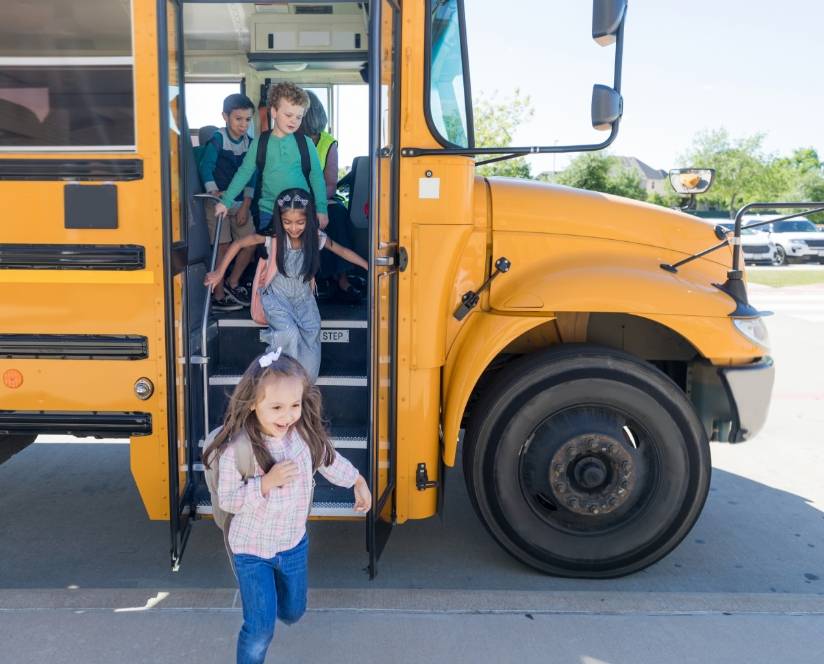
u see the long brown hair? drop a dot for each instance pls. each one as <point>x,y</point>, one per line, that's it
<point>298,199</point>
<point>241,418</point>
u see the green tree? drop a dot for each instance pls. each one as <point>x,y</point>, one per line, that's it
<point>495,123</point>
<point>597,171</point>
<point>744,173</point>
<point>805,172</point>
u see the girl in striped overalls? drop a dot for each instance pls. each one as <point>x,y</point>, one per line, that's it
<point>288,300</point>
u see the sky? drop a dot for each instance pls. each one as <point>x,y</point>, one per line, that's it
<point>745,65</point>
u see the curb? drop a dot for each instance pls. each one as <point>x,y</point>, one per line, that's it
<point>124,600</point>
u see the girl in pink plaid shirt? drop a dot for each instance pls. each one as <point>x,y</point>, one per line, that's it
<point>275,405</point>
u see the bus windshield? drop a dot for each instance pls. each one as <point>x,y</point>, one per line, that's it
<point>447,91</point>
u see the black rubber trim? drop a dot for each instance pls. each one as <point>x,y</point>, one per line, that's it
<point>71,169</point>
<point>74,346</point>
<point>75,423</point>
<point>72,257</point>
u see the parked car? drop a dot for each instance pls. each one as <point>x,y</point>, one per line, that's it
<point>756,245</point>
<point>795,240</point>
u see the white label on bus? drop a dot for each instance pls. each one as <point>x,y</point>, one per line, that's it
<point>334,336</point>
<point>429,188</point>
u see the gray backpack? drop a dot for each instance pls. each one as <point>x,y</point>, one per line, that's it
<point>245,463</point>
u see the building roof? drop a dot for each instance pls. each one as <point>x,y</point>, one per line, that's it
<point>646,171</point>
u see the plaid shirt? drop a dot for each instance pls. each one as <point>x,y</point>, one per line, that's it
<point>265,526</point>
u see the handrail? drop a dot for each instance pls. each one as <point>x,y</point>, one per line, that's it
<point>203,360</point>
<point>734,285</point>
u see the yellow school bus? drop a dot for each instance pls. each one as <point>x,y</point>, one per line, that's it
<point>524,330</point>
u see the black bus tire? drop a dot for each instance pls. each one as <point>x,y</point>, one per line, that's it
<point>584,461</point>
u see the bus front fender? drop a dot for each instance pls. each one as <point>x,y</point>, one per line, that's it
<point>481,339</point>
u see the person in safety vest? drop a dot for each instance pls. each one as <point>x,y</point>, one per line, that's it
<point>314,125</point>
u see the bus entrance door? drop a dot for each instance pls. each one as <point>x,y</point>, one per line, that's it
<point>185,252</point>
<point>386,261</point>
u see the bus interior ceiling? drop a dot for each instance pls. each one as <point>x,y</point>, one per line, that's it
<point>320,47</point>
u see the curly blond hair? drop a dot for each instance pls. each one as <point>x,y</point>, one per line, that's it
<point>288,91</point>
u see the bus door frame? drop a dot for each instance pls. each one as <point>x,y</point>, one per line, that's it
<point>182,508</point>
<point>385,259</point>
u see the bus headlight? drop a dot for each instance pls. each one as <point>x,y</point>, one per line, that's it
<point>754,329</point>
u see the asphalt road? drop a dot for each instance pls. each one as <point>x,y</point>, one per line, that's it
<point>80,562</point>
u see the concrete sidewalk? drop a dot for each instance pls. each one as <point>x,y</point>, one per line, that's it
<point>365,626</point>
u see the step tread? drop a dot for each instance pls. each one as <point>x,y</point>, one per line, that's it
<point>319,509</point>
<point>348,437</point>
<point>328,310</point>
<point>326,323</point>
<point>328,378</point>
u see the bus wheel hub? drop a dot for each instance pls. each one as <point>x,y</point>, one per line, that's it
<point>592,474</point>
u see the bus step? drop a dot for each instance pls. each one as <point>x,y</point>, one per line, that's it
<point>350,443</point>
<point>343,336</point>
<point>320,509</point>
<point>345,398</point>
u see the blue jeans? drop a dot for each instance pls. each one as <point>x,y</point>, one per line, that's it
<point>269,588</point>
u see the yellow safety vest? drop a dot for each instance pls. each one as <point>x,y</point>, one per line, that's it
<point>325,142</point>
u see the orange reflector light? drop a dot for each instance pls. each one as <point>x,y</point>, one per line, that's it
<point>12,379</point>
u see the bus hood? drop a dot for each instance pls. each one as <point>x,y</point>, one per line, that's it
<point>525,206</point>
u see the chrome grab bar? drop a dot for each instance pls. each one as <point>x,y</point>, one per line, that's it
<point>203,360</point>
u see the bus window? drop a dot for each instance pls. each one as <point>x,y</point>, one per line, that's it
<point>447,91</point>
<point>66,80</point>
<point>204,103</point>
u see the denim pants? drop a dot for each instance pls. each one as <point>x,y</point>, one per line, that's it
<point>269,588</point>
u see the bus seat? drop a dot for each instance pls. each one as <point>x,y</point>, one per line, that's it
<point>18,122</point>
<point>197,230</point>
<point>197,236</point>
<point>359,194</point>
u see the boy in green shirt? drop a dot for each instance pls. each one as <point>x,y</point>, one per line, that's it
<point>287,104</point>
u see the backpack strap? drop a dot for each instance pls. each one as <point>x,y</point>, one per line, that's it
<point>305,162</point>
<point>271,261</point>
<point>260,164</point>
<point>244,456</point>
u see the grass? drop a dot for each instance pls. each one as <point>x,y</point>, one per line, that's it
<point>780,278</point>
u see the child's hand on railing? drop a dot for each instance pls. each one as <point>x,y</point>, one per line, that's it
<point>212,278</point>
<point>220,210</point>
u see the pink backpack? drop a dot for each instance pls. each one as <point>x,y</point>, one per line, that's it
<point>266,270</point>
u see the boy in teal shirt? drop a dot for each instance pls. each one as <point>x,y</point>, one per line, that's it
<point>287,105</point>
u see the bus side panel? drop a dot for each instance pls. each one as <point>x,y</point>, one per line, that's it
<point>84,300</point>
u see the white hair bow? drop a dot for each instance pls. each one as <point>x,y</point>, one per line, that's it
<point>272,356</point>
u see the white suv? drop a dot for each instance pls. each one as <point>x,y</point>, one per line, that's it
<point>756,245</point>
<point>795,240</point>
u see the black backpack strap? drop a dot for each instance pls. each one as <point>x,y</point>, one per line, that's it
<point>260,163</point>
<point>305,163</point>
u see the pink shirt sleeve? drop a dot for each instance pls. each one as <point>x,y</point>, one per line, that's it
<point>233,493</point>
<point>340,472</point>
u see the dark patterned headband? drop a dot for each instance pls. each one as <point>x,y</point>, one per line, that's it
<point>295,202</point>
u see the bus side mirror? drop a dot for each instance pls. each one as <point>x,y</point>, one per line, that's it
<point>607,18</point>
<point>607,107</point>
<point>689,181</point>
